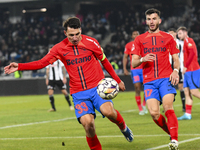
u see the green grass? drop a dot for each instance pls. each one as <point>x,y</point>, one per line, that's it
<point>25,124</point>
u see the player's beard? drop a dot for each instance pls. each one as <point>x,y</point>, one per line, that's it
<point>154,29</point>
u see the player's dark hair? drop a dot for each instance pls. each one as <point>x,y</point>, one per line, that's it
<point>72,22</point>
<point>172,29</point>
<point>182,28</point>
<point>151,11</point>
<point>136,31</point>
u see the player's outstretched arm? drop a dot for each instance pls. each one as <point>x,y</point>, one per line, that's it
<point>12,67</point>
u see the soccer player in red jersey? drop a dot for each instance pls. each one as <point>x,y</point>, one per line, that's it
<point>191,71</point>
<point>136,74</point>
<point>81,54</point>
<point>152,51</point>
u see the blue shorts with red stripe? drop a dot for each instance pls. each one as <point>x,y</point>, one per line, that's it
<point>157,89</point>
<point>137,75</point>
<point>87,101</point>
<point>192,79</point>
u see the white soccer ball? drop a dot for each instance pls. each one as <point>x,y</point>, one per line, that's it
<point>107,88</point>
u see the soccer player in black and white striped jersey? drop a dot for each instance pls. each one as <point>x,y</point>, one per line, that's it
<point>180,47</point>
<point>56,76</point>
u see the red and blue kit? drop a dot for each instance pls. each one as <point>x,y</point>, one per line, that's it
<point>191,77</point>
<point>160,44</point>
<point>190,55</point>
<point>136,73</point>
<point>82,64</point>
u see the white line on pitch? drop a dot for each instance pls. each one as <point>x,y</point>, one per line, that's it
<point>33,123</point>
<point>185,141</point>
<point>26,124</point>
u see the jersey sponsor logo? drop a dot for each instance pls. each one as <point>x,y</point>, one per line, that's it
<point>78,60</point>
<point>154,49</point>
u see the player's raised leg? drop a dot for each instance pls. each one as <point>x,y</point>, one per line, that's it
<point>114,116</point>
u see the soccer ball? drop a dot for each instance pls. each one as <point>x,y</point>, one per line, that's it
<point>107,88</point>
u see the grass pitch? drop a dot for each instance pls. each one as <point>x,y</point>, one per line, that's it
<point>26,125</point>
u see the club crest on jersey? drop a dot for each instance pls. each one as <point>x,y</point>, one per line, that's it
<point>154,49</point>
<point>78,60</point>
<point>189,44</point>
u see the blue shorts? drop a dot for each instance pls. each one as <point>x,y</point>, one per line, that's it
<point>137,75</point>
<point>192,79</point>
<point>158,89</point>
<point>86,102</point>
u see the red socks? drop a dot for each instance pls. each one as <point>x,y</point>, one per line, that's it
<point>94,143</point>
<point>172,124</point>
<point>119,121</point>
<point>188,109</point>
<point>171,127</point>
<point>161,122</point>
<point>138,101</point>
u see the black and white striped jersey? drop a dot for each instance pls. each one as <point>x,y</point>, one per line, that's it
<point>55,70</point>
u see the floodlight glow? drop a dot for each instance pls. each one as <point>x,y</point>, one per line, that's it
<point>43,9</point>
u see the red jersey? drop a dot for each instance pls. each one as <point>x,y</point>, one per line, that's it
<point>81,62</point>
<point>129,46</point>
<point>160,44</point>
<point>190,55</point>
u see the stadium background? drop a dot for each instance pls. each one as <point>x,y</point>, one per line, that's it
<point>29,27</point>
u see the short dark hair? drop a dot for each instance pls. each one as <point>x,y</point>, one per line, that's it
<point>172,29</point>
<point>151,11</point>
<point>182,28</point>
<point>72,22</point>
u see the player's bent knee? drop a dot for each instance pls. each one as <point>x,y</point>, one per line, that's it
<point>109,113</point>
<point>87,119</point>
<point>155,115</point>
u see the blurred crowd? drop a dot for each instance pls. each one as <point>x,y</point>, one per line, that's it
<point>30,38</point>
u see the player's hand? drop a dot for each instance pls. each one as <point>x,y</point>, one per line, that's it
<point>11,68</point>
<point>149,57</point>
<point>174,78</point>
<point>126,72</point>
<point>122,86</point>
